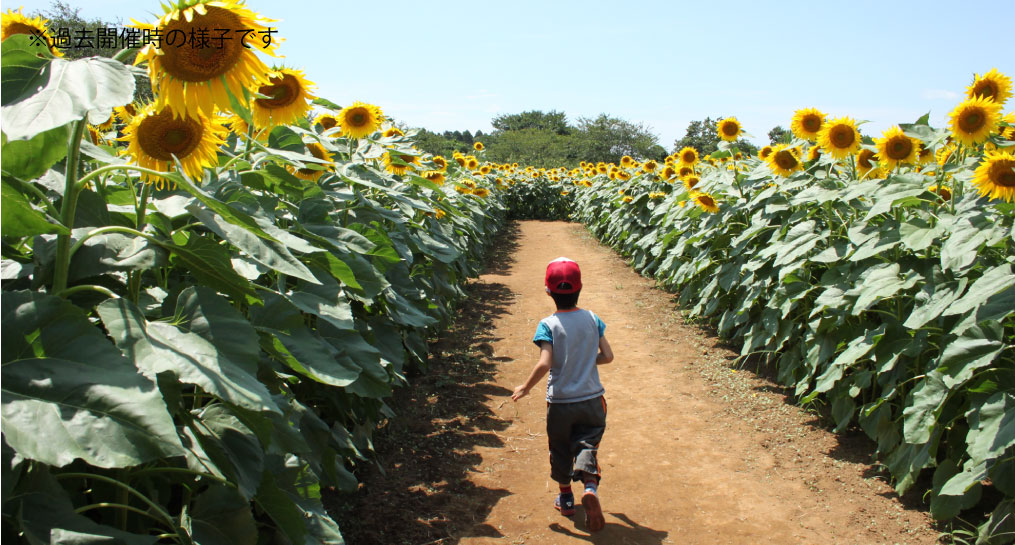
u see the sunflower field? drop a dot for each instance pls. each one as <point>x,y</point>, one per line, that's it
<point>207,298</point>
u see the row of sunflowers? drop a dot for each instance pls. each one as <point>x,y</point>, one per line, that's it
<point>872,277</point>
<point>208,297</point>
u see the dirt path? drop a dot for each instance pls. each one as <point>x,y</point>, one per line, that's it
<point>694,452</point>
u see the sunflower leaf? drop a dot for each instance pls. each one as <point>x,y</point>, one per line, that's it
<point>84,88</point>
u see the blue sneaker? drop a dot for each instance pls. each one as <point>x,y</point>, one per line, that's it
<point>594,519</point>
<point>565,504</point>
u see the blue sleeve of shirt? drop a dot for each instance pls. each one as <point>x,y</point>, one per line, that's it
<point>600,325</point>
<point>543,334</point>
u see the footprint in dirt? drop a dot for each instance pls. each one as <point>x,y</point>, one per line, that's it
<point>628,532</point>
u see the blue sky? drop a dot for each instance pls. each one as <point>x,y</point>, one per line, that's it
<point>456,65</point>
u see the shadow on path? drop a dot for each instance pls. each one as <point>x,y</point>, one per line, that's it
<point>627,531</point>
<point>417,489</point>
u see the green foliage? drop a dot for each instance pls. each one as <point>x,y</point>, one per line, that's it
<point>194,362</point>
<point>779,135</point>
<point>553,121</point>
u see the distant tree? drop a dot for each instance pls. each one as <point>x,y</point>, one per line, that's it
<point>467,137</point>
<point>552,121</point>
<point>444,144</point>
<point>779,135</point>
<point>607,139</point>
<point>83,39</point>
<point>704,137</point>
<point>535,147</point>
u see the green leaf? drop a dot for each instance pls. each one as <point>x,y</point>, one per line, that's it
<point>876,283</point>
<point>977,347</point>
<point>158,347</point>
<point>221,516</point>
<point>993,281</point>
<point>932,300</point>
<point>917,234</point>
<point>991,427</point>
<point>920,417</point>
<point>202,311</point>
<point>211,266</point>
<point>281,508</point>
<point>228,213</point>
<point>961,246</point>
<point>945,507</point>
<point>79,397</point>
<point>31,158</point>
<point>273,255</point>
<point>311,356</point>
<point>19,219</point>
<point>76,89</point>
<point>22,66</point>
<point>230,445</point>
<point>326,300</point>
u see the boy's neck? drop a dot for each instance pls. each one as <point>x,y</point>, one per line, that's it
<point>572,309</point>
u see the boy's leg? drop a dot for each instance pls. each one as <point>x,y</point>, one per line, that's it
<point>586,435</point>
<point>558,432</point>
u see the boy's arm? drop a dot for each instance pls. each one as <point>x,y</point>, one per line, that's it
<point>605,352</point>
<point>538,372</point>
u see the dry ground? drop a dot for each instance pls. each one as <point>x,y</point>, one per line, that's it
<point>695,450</point>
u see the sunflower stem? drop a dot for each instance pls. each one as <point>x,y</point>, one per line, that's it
<point>111,168</point>
<point>88,287</point>
<point>68,208</point>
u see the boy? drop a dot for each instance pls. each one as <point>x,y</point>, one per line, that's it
<point>571,345</point>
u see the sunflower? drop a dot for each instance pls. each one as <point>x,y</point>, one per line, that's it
<point>391,132</point>
<point>649,166</point>
<point>397,168</point>
<point>288,98</point>
<point>13,22</point>
<point>196,80</point>
<point>626,161</point>
<point>807,123</point>
<point>729,129</point>
<point>434,176</point>
<point>690,182</point>
<point>463,189</point>
<point>312,174</point>
<point>623,175</point>
<point>993,86</point>
<point>765,152</point>
<point>895,148</point>
<point>944,153</point>
<point>865,164</point>
<point>813,154</point>
<point>481,192</point>
<point>440,162</point>
<point>705,201</point>
<point>839,137</point>
<point>685,171</point>
<point>471,163</point>
<point>688,156</point>
<point>360,119</point>
<point>973,120</point>
<point>941,191</point>
<point>240,127</point>
<point>155,137</point>
<point>126,112</point>
<point>995,177</point>
<point>627,199</point>
<point>784,160</point>
<point>326,121</point>
<point>656,195</point>
<point>668,172</point>
<point>1008,133</point>
<point>107,125</point>
<point>478,146</point>
<point>485,169</point>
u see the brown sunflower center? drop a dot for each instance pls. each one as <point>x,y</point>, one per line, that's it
<point>985,88</point>
<point>864,159</point>
<point>162,136</point>
<point>688,157</point>
<point>198,64</point>
<point>283,92</point>
<point>730,128</point>
<point>706,200</point>
<point>1002,173</point>
<point>899,148</point>
<point>692,181</point>
<point>786,160</point>
<point>328,122</point>
<point>685,171</point>
<point>318,151</point>
<point>841,136</point>
<point>972,120</point>
<point>811,123</point>
<point>358,117</point>
<point>22,28</point>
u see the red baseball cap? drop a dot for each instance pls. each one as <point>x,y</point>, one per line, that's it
<point>563,276</point>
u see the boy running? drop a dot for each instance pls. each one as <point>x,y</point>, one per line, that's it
<point>571,345</point>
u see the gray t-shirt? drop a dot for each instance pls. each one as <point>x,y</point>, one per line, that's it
<point>574,335</point>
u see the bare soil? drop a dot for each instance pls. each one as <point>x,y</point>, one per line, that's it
<point>696,450</point>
